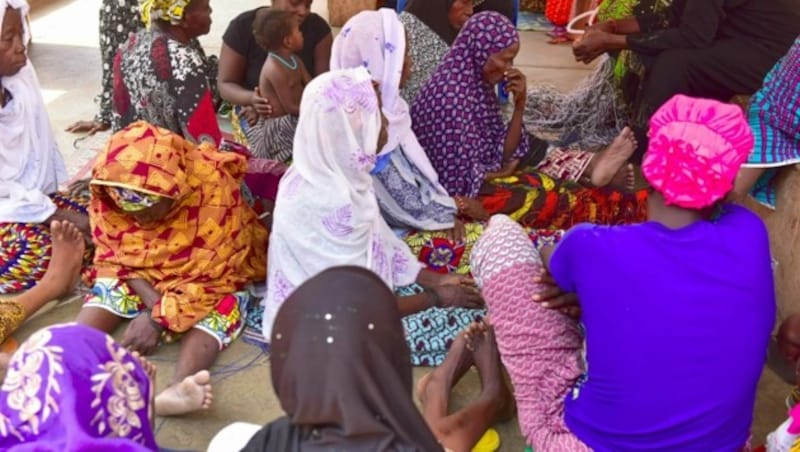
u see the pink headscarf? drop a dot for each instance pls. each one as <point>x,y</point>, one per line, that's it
<point>696,149</point>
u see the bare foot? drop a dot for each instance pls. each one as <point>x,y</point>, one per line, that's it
<point>625,179</point>
<point>455,365</point>
<point>608,162</point>
<point>487,359</point>
<point>65,263</point>
<point>191,394</point>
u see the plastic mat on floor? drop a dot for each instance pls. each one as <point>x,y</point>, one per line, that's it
<point>528,21</point>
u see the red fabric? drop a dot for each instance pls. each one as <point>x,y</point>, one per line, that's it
<point>203,121</point>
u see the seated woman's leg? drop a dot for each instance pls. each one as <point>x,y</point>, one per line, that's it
<point>110,302</point>
<point>608,166</point>
<point>540,348</point>
<point>190,388</point>
<point>462,429</point>
<point>59,279</point>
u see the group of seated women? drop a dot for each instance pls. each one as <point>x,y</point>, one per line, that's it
<point>415,225</point>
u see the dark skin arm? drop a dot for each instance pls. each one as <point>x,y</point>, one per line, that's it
<point>444,291</point>
<point>232,72</point>
<point>230,81</point>
<point>551,296</point>
<point>595,43</point>
<point>322,55</point>
<point>143,334</point>
<point>517,85</point>
<point>305,76</point>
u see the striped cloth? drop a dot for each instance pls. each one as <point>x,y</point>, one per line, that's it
<point>272,138</point>
<point>775,119</point>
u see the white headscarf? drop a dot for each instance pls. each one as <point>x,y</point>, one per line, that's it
<point>377,41</point>
<point>326,213</point>
<point>31,166</point>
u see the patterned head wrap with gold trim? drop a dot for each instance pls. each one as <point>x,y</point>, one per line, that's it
<point>167,10</point>
<point>131,201</point>
<point>210,244</point>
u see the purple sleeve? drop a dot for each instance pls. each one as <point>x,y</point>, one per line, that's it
<point>524,146</point>
<point>566,257</point>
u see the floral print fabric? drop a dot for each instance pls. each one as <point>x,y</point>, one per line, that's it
<point>224,323</point>
<point>94,397</point>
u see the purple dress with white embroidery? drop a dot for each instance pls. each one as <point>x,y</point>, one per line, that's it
<point>56,399</point>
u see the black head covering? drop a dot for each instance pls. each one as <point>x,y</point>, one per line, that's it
<point>433,13</point>
<point>341,370</point>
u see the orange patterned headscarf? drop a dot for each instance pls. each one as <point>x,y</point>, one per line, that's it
<point>209,245</point>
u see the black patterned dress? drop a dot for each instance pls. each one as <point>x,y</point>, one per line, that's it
<point>119,19</point>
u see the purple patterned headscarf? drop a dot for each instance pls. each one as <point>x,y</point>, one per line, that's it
<point>71,387</point>
<point>456,115</point>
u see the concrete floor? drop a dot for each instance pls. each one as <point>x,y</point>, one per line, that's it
<point>65,52</point>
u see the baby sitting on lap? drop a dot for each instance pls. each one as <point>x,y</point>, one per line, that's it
<point>283,78</point>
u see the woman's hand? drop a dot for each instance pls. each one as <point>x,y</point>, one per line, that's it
<point>590,46</point>
<point>457,296</point>
<point>517,84</point>
<point>260,104</point>
<point>456,279</point>
<point>471,208</point>
<point>90,127</point>
<point>552,297</point>
<point>606,26</point>
<point>458,233</point>
<point>506,171</point>
<point>142,334</point>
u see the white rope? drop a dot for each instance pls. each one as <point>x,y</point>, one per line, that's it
<point>591,15</point>
<point>588,117</point>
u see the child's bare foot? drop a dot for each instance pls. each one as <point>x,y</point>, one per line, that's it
<point>607,163</point>
<point>191,394</point>
<point>487,359</point>
<point>66,259</point>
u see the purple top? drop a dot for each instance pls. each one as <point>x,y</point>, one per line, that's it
<point>71,387</point>
<point>456,116</point>
<point>677,326</point>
